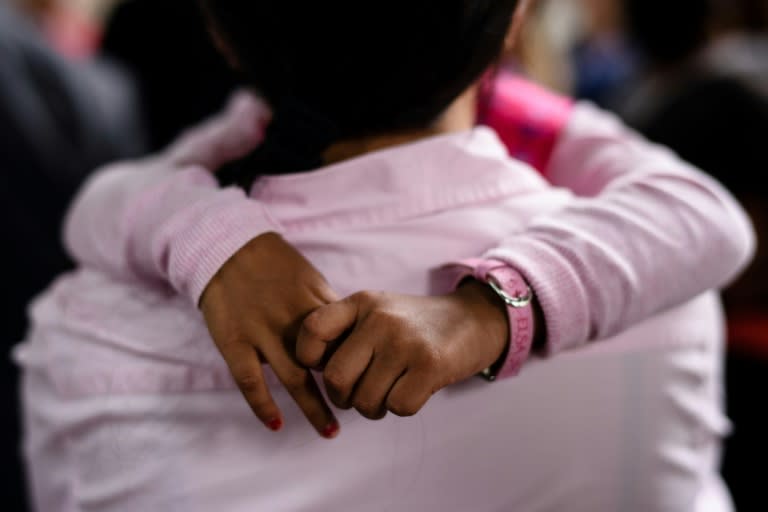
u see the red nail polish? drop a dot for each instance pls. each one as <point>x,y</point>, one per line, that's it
<point>331,430</point>
<point>276,424</point>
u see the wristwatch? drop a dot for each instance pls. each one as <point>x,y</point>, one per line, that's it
<point>512,288</point>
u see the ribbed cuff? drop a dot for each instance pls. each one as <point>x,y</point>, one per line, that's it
<point>520,317</point>
<point>199,253</point>
<point>559,292</point>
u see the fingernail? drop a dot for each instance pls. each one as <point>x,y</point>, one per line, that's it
<point>275,425</point>
<point>331,431</point>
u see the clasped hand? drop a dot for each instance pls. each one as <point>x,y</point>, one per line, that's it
<point>378,352</point>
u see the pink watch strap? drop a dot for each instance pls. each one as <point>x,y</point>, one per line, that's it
<point>515,292</point>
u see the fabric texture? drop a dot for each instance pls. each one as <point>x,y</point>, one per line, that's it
<point>507,283</point>
<point>593,264</point>
<point>130,407</point>
<point>58,122</point>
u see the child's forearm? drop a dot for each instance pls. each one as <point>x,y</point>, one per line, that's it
<point>649,232</point>
<point>137,221</point>
<point>166,218</point>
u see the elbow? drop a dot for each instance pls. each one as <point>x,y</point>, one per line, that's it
<point>727,225</point>
<point>741,240</point>
<point>73,221</point>
<point>737,237</point>
<point>89,204</point>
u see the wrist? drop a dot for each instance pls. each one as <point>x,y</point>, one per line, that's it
<point>489,316</point>
<point>266,241</point>
<point>511,290</point>
<point>259,250</point>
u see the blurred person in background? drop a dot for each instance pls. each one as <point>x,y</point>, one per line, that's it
<point>543,51</point>
<point>58,121</point>
<point>704,93</point>
<point>602,59</point>
<point>740,43</point>
<point>577,47</point>
<point>69,29</point>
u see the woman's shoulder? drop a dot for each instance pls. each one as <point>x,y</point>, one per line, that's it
<point>88,323</point>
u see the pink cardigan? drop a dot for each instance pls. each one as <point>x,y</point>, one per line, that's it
<point>595,265</point>
<point>128,406</point>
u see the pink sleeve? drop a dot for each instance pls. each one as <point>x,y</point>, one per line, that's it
<point>176,227</point>
<point>646,233</point>
<point>166,218</point>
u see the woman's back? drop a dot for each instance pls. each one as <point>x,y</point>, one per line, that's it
<point>134,409</point>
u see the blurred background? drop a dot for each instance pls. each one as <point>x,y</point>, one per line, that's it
<point>84,82</point>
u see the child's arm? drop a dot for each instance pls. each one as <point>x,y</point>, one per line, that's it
<point>165,218</point>
<point>647,233</point>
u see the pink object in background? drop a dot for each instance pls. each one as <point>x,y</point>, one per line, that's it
<point>528,119</point>
<point>71,33</point>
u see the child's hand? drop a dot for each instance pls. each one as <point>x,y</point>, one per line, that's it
<point>399,350</point>
<point>254,307</point>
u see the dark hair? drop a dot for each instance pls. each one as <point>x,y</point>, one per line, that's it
<point>182,80</point>
<point>337,69</point>
<point>667,32</point>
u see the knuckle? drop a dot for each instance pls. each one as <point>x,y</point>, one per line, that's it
<point>383,318</point>
<point>324,291</point>
<point>399,345</point>
<point>340,403</point>
<point>334,379</point>
<point>308,359</point>
<point>429,358</point>
<point>371,414</point>
<point>232,337</point>
<point>305,357</point>
<point>369,409</point>
<point>313,324</point>
<point>366,297</point>
<point>295,381</point>
<point>403,409</point>
<point>249,382</point>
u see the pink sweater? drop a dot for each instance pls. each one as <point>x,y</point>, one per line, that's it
<point>594,264</point>
<point>129,406</point>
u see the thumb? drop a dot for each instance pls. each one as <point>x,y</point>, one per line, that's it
<point>321,328</point>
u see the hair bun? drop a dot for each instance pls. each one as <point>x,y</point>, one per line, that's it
<point>295,141</point>
<point>301,132</point>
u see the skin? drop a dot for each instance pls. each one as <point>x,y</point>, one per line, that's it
<point>444,339</point>
<point>401,349</point>
<point>268,271</point>
<point>379,352</point>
